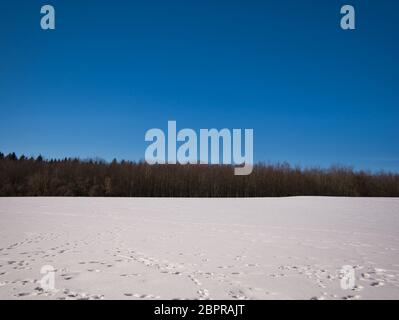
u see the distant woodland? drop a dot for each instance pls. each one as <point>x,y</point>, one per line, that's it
<point>22,176</point>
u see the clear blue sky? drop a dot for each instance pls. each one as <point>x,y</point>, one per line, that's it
<point>314,94</point>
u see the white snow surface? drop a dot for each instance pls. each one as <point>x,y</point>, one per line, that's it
<point>178,248</point>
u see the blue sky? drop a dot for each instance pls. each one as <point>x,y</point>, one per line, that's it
<point>314,94</point>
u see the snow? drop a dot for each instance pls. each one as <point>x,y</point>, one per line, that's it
<point>163,248</point>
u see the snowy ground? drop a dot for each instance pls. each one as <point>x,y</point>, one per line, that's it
<point>289,248</point>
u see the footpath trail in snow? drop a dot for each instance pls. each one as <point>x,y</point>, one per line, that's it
<point>136,248</point>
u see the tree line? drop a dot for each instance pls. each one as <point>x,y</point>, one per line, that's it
<point>23,176</point>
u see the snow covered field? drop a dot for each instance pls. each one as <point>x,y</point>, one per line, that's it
<point>120,248</point>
